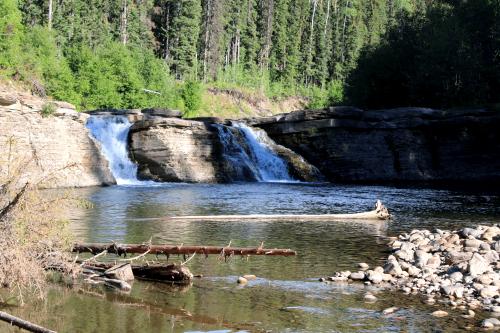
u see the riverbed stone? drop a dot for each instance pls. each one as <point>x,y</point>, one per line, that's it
<point>491,233</point>
<point>375,276</point>
<point>363,266</point>
<point>490,323</point>
<point>457,276</point>
<point>392,267</point>
<point>474,243</point>
<point>489,291</point>
<point>495,309</point>
<point>433,262</point>
<point>421,258</point>
<point>440,313</point>
<point>491,256</point>
<point>477,265</point>
<point>466,232</point>
<point>390,310</point>
<point>407,255</point>
<point>370,298</point>
<point>357,275</point>
<point>241,280</point>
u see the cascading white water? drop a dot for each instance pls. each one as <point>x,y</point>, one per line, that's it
<point>256,157</point>
<point>112,133</point>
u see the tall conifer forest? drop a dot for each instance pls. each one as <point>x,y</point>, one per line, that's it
<point>163,53</point>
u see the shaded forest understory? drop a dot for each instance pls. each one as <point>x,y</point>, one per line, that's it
<point>176,53</point>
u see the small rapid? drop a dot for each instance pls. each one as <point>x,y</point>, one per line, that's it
<point>112,133</point>
<point>250,153</point>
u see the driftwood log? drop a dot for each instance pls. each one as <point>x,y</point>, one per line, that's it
<point>156,272</point>
<point>21,323</point>
<point>120,249</point>
<point>379,213</point>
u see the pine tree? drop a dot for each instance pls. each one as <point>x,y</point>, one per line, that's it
<point>185,29</point>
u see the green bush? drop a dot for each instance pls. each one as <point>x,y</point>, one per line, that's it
<point>43,61</point>
<point>48,109</point>
<point>191,95</point>
<point>11,33</point>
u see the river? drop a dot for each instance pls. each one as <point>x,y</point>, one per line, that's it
<point>286,296</point>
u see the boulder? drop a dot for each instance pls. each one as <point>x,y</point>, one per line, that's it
<point>161,112</point>
<point>375,276</point>
<point>477,265</point>
<point>7,99</point>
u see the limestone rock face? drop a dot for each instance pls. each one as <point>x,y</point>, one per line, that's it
<point>175,150</point>
<point>191,150</point>
<point>56,148</point>
<point>412,145</point>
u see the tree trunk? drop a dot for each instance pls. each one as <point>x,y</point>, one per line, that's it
<point>178,249</point>
<point>123,22</point>
<point>23,323</point>
<point>49,25</point>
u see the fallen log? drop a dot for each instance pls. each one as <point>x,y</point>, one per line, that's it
<point>120,249</point>
<point>379,213</point>
<point>156,272</point>
<point>24,324</point>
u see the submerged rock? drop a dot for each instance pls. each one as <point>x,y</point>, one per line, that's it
<point>440,313</point>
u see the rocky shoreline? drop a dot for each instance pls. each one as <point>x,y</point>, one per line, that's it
<point>462,267</point>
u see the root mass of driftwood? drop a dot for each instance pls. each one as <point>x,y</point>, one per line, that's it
<point>24,324</point>
<point>156,272</point>
<point>380,212</point>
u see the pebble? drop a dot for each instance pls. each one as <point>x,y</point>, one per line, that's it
<point>469,314</point>
<point>440,313</point>
<point>357,276</point>
<point>390,310</point>
<point>242,280</point>
<point>370,298</point>
<point>364,266</point>
<point>490,323</point>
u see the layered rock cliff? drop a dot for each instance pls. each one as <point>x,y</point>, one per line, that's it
<point>405,145</point>
<point>49,142</point>
<point>180,150</point>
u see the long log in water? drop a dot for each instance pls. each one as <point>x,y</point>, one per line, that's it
<point>379,213</point>
<point>179,249</point>
<point>24,324</point>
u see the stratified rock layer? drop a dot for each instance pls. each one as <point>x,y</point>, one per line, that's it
<point>54,149</point>
<point>174,150</point>
<point>413,145</point>
<point>181,150</point>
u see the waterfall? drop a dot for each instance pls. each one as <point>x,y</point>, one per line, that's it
<point>250,154</point>
<point>112,133</point>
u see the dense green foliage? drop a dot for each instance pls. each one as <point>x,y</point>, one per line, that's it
<point>129,53</point>
<point>449,56</point>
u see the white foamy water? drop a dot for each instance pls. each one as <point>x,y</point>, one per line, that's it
<point>112,133</point>
<point>255,154</point>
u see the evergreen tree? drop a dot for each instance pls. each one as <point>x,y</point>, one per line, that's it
<point>185,29</point>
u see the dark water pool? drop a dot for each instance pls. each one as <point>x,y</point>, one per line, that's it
<point>286,297</point>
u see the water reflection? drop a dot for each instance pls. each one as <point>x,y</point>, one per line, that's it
<point>286,296</point>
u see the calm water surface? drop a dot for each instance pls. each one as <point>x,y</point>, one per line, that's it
<point>286,297</point>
